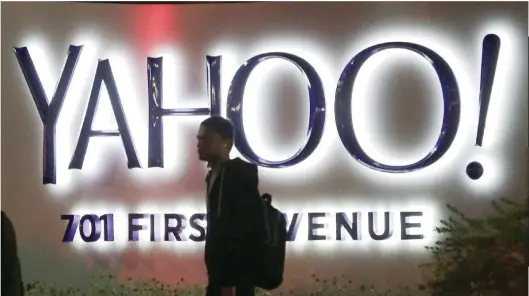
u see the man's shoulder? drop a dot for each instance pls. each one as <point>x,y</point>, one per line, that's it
<point>7,225</point>
<point>241,166</point>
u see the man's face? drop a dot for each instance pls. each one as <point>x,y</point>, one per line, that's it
<point>210,145</point>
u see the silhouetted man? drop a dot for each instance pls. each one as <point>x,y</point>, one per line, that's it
<point>232,203</point>
<point>11,277</point>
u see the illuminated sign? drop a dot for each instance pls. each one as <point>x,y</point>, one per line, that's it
<point>173,226</point>
<point>49,113</point>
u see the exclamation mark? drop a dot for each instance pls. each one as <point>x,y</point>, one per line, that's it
<point>489,59</point>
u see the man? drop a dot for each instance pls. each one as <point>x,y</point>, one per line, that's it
<point>232,212</point>
<point>11,276</point>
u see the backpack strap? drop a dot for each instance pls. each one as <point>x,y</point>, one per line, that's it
<point>265,212</point>
<point>220,193</point>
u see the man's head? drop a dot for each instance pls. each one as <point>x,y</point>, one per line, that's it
<point>215,139</point>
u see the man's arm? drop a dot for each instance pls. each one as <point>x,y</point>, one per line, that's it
<point>11,276</point>
<point>237,222</point>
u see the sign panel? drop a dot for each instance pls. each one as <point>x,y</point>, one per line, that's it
<point>362,134</point>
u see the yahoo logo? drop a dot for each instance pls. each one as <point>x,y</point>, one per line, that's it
<point>49,113</point>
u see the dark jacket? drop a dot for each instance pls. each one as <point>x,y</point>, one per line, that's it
<point>11,276</point>
<point>234,224</point>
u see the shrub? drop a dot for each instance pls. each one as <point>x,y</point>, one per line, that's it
<point>481,256</point>
<point>109,286</point>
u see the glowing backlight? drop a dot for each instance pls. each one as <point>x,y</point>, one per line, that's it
<point>336,97</point>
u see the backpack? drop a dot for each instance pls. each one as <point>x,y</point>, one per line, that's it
<point>271,260</point>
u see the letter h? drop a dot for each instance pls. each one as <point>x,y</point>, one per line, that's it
<point>156,110</point>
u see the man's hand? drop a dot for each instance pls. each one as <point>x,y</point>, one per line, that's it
<point>227,291</point>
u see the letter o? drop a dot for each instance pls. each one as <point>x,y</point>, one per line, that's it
<point>317,109</point>
<point>342,107</point>
<point>95,228</point>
